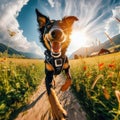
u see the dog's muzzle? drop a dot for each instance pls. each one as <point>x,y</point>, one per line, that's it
<point>57,37</point>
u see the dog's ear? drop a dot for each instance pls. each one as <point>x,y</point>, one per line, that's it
<point>70,20</point>
<point>41,19</point>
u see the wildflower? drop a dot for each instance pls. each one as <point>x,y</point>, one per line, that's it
<point>85,68</point>
<point>117,93</point>
<point>4,58</point>
<point>111,75</point>
<point>101,65</point>
<point>88,74</point>
<point>1,61</point>
<point>111,65</point>
<point>113,61</point>
<point>105,92</point>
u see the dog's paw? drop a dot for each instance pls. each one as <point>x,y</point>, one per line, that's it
<point>67,84</point>
<point>59,114</point>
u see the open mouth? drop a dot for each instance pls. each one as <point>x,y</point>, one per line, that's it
<point>55,39</point>
<point>56,47</point>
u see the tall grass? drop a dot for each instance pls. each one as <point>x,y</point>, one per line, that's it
<point>96,84</point>
<point>18,79</point>
<point>95,81</point>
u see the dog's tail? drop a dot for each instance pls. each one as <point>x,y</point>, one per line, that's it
<point>58,111</point>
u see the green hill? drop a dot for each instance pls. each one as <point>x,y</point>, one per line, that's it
<point>12,51</point>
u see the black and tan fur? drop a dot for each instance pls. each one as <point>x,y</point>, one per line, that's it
<point>54,35</point>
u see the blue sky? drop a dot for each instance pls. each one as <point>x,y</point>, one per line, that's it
<point>95,18</point>
<point>27,20</point>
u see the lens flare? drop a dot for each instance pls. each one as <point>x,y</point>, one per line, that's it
<point>79,39</point>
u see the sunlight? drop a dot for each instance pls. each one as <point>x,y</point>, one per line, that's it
<point>78,39</point>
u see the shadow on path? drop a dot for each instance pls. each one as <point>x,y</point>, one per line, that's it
<point>25,107</point>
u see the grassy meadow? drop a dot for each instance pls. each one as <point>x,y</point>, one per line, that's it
<point>19,78</point>
<point>96,84</point>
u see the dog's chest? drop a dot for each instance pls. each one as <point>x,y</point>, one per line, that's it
<point>57,63</point>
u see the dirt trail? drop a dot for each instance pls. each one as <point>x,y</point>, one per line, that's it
<point>39,108</point>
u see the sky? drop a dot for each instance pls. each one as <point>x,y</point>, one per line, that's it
<point>95,18</point>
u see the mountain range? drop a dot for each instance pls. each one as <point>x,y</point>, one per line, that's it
<point>12,51</point>
<point>87,51</point>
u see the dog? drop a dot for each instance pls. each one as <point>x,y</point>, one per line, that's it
<point>54,35</point>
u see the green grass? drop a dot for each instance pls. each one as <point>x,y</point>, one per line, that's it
<point>95,81</point>
<point>19,78</point>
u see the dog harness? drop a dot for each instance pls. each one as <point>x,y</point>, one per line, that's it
<point>57,63</point>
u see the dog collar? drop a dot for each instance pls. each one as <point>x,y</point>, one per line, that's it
<point>55,55</point>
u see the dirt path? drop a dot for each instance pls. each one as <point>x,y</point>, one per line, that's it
<point>39,108</point>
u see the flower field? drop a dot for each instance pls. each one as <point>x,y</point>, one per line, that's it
<point>19,78</point>
<point>96,84</point>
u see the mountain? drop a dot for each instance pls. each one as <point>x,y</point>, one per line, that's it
<point>115,39</point>
<point>12,51</point>
<point>31,55</point>
<point>86,51</point>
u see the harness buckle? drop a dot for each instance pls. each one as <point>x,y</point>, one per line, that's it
<point>58,62</point>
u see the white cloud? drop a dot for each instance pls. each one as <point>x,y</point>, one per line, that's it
<point>95,17</point>
<point>116,11</point>
<point>9,10</point>
<point>51,2</point>
<point>112,25</point>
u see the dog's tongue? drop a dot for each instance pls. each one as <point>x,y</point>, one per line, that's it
<point>56,46</point>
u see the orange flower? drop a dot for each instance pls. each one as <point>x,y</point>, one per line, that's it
<point>101,65</point>
<point>2,61</point>
<point>111,65</point>
<point>5,58</point>
<point>113,61</point>
<point>85,68</point>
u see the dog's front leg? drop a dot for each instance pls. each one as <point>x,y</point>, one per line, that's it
<point>48,81</point>
<point>58,111</point>
<point>49,71</point>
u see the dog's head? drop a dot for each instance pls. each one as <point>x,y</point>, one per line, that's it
<point>55,33</point>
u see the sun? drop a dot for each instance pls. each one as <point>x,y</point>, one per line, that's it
<point>79,39</point>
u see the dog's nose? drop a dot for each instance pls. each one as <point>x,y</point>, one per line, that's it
<point>56,34</point>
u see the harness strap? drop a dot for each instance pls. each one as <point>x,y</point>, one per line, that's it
<point>57,63</point>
